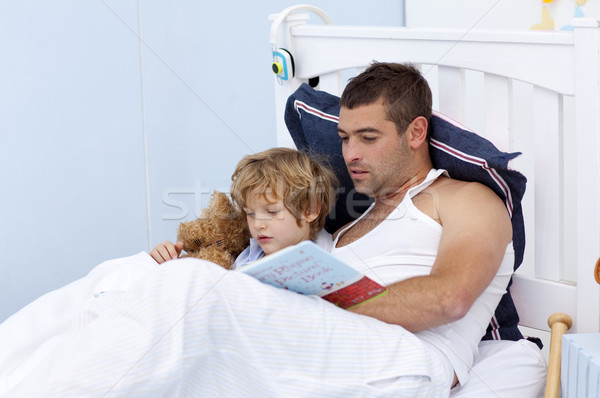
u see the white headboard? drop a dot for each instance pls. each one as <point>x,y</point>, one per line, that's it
<point>531,92</point>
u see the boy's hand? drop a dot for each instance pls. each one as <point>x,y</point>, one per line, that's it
<point>166,251</point>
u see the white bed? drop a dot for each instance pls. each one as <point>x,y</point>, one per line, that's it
<point>532,92</point>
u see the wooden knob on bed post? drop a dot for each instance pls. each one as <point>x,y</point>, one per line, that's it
<point>559,324</point>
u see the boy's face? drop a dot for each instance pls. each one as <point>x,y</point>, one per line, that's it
<point>272,225</point>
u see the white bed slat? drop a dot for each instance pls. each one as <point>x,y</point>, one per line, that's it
<point>521,125</point>
<point>331,82</point>
<point>548,184</point>
<point>474,107</point>
<point>431,73</point>
<point>451,91</point>
<point>569,193</point>
<point>497,91</point>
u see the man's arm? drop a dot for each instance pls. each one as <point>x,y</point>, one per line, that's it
<point>476,231</point>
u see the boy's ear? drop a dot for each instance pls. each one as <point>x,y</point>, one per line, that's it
<point>311,214</point>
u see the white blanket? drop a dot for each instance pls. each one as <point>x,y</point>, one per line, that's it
<point>131,328</point>
<point>28,336</point>
<point>189,328</point>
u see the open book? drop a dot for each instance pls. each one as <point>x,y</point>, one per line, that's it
<point>306,268</point>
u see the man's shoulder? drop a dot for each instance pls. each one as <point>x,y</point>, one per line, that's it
<point>450,186</point>
<point>470,208</point>
<point>457,193</point>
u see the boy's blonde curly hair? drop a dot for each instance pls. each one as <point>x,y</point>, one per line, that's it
<point>301,182</point>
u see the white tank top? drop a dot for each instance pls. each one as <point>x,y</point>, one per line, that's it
<point>405,245</point>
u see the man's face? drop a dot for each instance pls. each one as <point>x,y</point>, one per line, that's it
<point>377,156</point>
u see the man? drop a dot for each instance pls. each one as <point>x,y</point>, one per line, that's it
<point>383,125</point>
<point>190,328</point>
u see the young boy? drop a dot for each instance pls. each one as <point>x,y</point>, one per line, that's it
<point>286,196</point>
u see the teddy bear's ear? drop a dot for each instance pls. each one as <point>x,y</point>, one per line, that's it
<point>220,197</point>
<point>188,228</point>
<point>218,200</point>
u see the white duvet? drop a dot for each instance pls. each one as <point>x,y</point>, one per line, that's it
<point>188,328</point>
<point>28,337</point>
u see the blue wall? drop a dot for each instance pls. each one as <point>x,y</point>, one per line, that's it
<point>118,118</point>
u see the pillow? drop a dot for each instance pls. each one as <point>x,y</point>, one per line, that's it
<point>311,117</point>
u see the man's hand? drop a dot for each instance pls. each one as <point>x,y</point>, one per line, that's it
<point>166,251</point>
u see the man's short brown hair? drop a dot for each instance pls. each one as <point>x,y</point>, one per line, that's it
<point>403,90</point>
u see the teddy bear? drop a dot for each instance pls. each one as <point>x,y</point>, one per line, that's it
<point>219,235</point>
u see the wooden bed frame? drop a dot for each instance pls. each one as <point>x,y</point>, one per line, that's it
<point>526,91</point>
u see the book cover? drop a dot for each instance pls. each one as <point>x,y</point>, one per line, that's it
<point>307,269</point>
